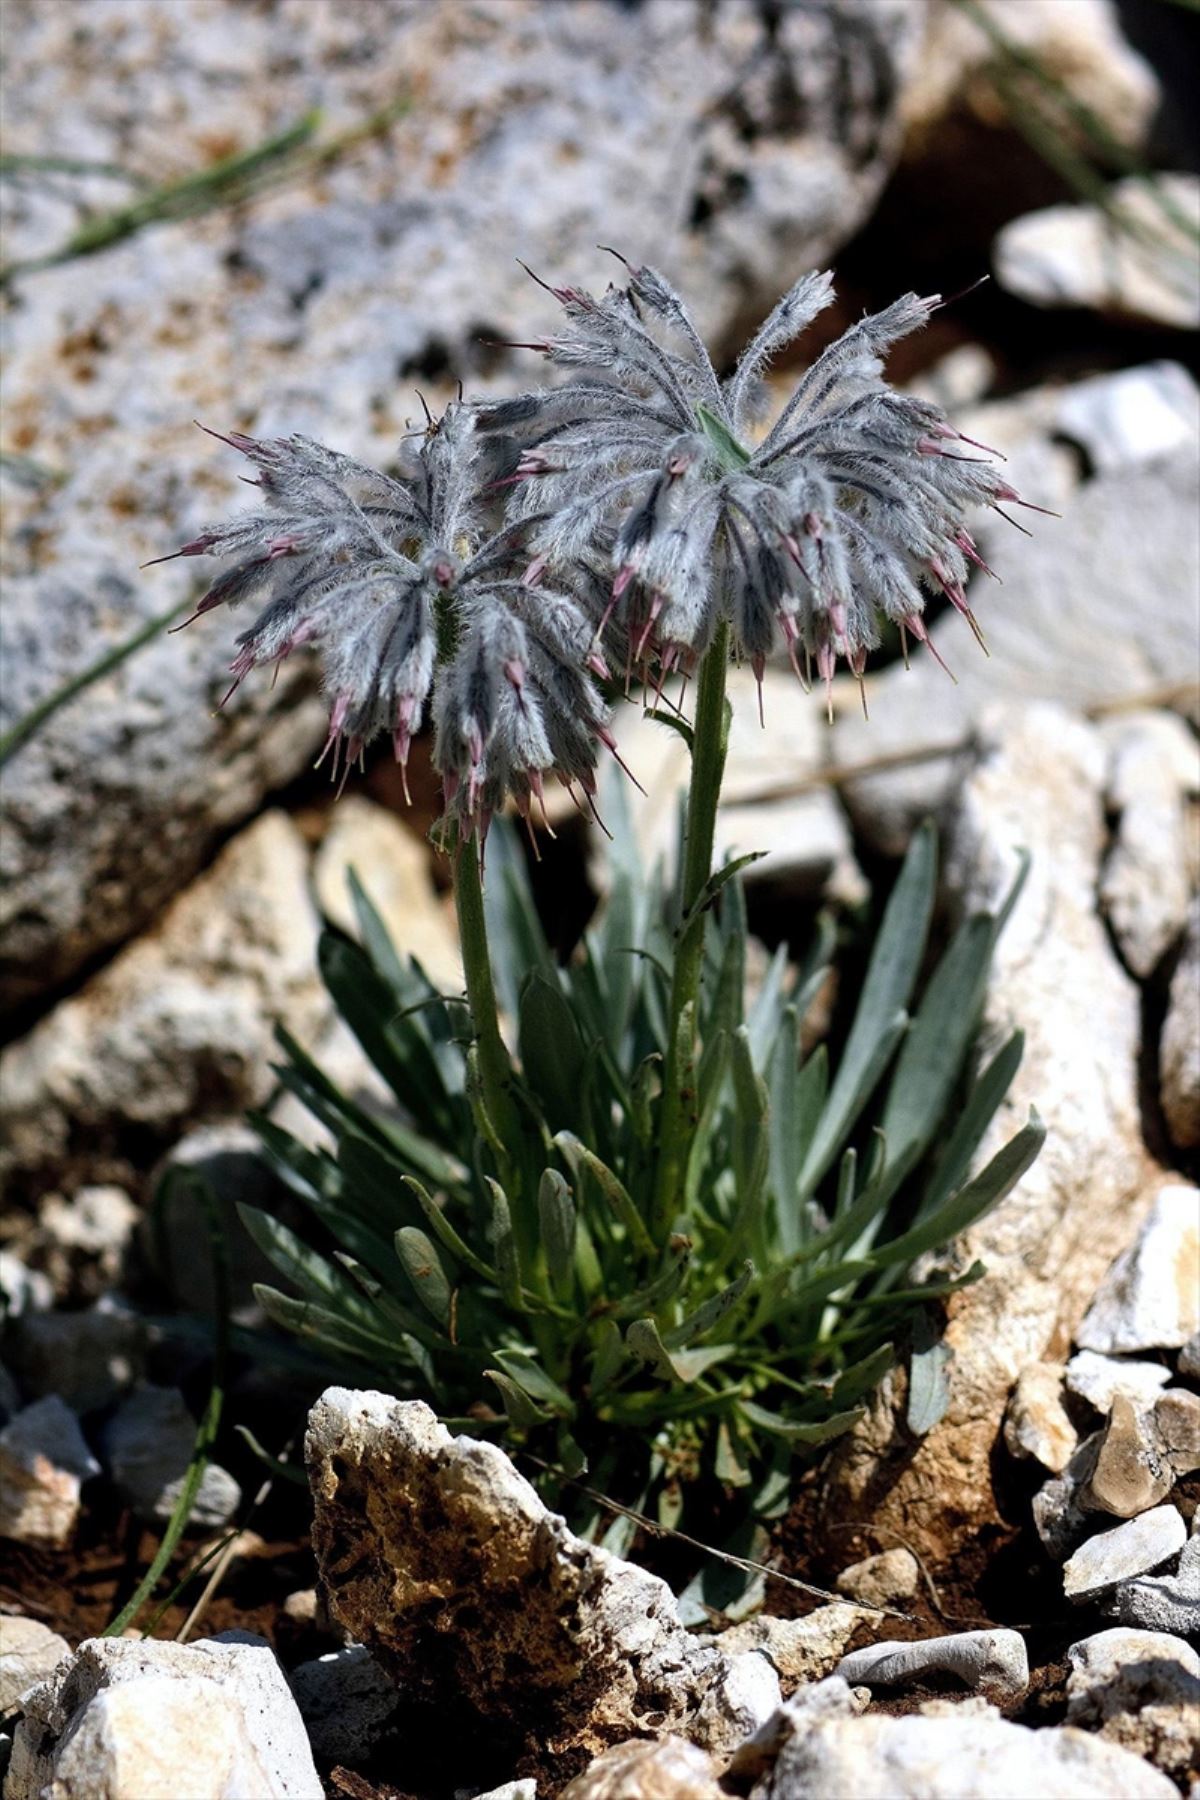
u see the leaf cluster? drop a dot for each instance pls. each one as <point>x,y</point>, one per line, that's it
<point>524,1285</point>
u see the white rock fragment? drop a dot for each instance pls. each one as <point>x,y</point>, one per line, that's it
<point>126,1720</point>
<point>1169,1603</point>
<point>22,1290</point>
<point>148,1446</point>
<point>1179,1046</point>
<point>1131,416</point>
<point>346,1702</point>
<point>800,1649</point>
<point>667,1769</point>
<point>1150,1298</point>
<point>1131,1473</point>
<point>523,1789</point>
<point>44,1462</point>
<point>994,1662</point>
<point>1144,885</point>
<point>1083,256</point>
<point>29,1651</point>
<point>1036,1423</point>
<point>888,1579</point>
<point>1139,1689</point>
<point>960,1756</point>
<point>1136,1548</point>
<point>557,1641</point>
<point>1098,1379</point>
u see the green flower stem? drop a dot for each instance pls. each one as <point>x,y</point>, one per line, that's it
<point>495,1069</point>
<point>710,739</point>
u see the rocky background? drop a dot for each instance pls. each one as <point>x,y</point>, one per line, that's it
<point>289,215</point>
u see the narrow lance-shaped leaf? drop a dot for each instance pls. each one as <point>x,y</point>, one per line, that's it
<point>428,1278</point>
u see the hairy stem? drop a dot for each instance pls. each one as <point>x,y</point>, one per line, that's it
<point>710,738</point>
<point>495,1069</point>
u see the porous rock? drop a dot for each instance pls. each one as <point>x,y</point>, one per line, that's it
<point>955,1758</point>
<point>1099,1379</point>
<point>1150,1297</point>
<point>669,1769</point>
<point>1131,1473</point>
<point>178,1027</point>
<point>347,1704</point>
<point>1135,1548</point>
<point>439,1557</point>
<point>213,1720</point>
<point>1169,1603</point>
<point>1140,1689</point>
<point>803,1649</point>
<point>1036,1423</point>
<point>888,1579</point>
<point>1179,1045</point>
<point>1037,781</point>
<point>992,1662</point>
<point>1145,885</point>
<point>148,1446</point>
<point>730,144</point>
<point>29,1651</point>
<point>44,1462</point>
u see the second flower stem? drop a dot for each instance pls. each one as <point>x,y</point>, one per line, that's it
<point>710,737</point>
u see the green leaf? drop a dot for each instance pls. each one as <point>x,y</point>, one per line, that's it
<point>661,716</point>
<point>580,1157</point>
<point>309,1320</point>
<point>316,1278</point>
<point>504,1247</point>
<point>962,1210</point>
<point>730,453</point>
<point>642,1338</point>
<point>444,1231</point>
<point>521,1410</point>
<point>556,1218</point>
<point>699,1323</point>
<point>552,1055</point>
<point>928,1383</point>
<point>794,1431</point>
<point>422,1265</point>
<point>528,1374</point>
<point>977,1114</point>
<point>719,879</point>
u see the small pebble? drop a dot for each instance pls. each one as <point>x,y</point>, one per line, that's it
<point>1135,1548</point>
<point>1036,1423</point>
<point>1098,1379</point>
<point>29,1651</point>
<point>1150,1298</point>
<point>888,1579</point>
<point>1177,1421</point>
<point>44,1462</point>
<point>994,1662</point>
<point>1131,1474</point>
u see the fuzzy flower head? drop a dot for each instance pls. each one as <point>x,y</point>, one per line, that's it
<point>850,510</point>
<point>415,608</point>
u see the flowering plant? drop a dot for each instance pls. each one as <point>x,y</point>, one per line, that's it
<point>641,1211</point>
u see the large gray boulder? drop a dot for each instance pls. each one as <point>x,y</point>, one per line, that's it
<point>737,145</point>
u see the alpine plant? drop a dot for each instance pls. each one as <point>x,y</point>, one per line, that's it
<point>626,510</point>
<point>418,609</point>
<point>849,511</point>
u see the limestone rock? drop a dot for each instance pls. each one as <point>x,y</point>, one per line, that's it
<point>1060,1516</point>
<point>1136,1548</point>
<point>1179,1046</point>
<point>1139,1689</point>
<point>888,1579</point>
<point>1038,781</point>
<point>667,1769</point>
<point>1144,887</point>
<point>44,1462</point>
<point>1131,1473</point>
<point>29,1651</point>
<point>395,868</point>
<point>734,146</point>
<point>1177,1424</point>
<point>213,1720</point>
<point>994,1662</point>
<point>1131,416</point>
<point>954,1758</point>
<point>1036,1423</point>
<point>84,1241</point>
<point>801,1650</point>
<point>439,1557</point>
<point>1150,1298</point>
<point>1189,1359</point>
<point>1168,1603</point>
<point>178,1026</point>
<point>1137,266</point>
<point>347,1704</point>
<point>1099,1379</point>
<point>148,1447</point>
